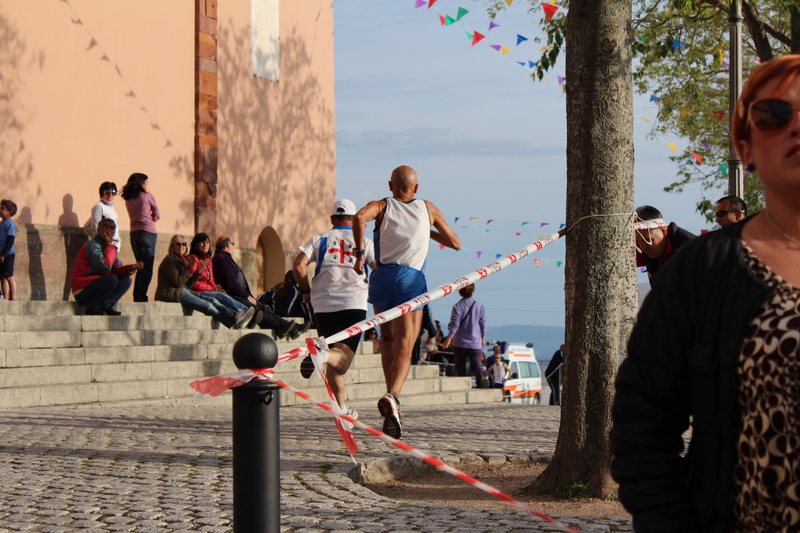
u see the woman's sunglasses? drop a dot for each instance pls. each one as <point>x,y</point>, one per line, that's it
<point>771,115</point>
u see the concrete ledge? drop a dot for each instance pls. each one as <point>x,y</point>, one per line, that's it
<point>388,469</point>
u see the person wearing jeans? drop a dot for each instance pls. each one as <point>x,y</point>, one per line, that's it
<point>467,335</point>
<point>173,277</point>
<point>99,279</point>
<point>144,214</point>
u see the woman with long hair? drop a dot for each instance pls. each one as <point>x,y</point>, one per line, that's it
<point>143,213</point>
<point>716,347</point>
<point>199,261</point>
<point>173,277</point>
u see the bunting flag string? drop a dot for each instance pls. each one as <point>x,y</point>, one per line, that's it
<point>550,9</point>
<point>94,43</point>
<point>474,36</point>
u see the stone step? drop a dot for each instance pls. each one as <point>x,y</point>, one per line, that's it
<point>102,393</point>
<point>368,411</point>
<point>34,308</point>
<point>49,339</point>
<point>366,370</point>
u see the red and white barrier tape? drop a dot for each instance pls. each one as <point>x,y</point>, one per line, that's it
<point>443,290</point>
<point>427,458</point>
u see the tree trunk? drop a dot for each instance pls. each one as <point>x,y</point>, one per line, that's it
<point>600,268</point>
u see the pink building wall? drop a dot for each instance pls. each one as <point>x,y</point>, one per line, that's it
<point>95,90</point>
<point>277,144</point>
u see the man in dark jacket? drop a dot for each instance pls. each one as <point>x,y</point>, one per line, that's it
<point>230,277</point>
<point>657,245</point>
<point>553,376</point>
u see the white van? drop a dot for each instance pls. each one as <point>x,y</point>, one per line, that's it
<point>524,385</point>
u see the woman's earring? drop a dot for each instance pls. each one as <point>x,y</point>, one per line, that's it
<point>750,167</point>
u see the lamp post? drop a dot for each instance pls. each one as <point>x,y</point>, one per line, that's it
<point>735,171</point>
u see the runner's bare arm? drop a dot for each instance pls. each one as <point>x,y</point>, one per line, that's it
<point>300,273</point>
<point>443,234</point>
<point>371,211</point>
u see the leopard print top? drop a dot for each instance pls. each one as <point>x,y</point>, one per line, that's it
<point>767,474</point>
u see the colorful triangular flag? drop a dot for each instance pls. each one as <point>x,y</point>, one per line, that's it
<point>476,38</point>
<point>442,19</point>
<point>479,253</point>
<point>419,4</point>
<point>448,20</point>
<point>698,157</point>
<point>430,3</point>
<point>504,50</point>
<point>441,246</point>
<point>469,35</point>
<point>672,146</point>
<point>493,25</point>
<point>461,13</point>
<point>549,11</point>
<point>653,98</point>
<point>537,261</point>
<point>559,263</point>
<point>498,256</point>
<point>525,223</point>
<point>521,39</point>
<point>531,64</point>
<point>496,46</point>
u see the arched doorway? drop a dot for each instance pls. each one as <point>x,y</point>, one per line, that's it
<point>271,259</point>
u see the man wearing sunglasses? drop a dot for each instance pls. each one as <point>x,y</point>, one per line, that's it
<point>99,279</point>
<point>730,210</point>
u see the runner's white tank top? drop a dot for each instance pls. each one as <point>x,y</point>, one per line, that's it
<point>404,234</point>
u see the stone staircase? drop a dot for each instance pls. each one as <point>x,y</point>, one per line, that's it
<point>51,354</point>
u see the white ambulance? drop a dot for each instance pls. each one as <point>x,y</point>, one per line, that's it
<point>524,385</point>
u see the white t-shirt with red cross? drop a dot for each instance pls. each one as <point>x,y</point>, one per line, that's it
<point>336,286</point>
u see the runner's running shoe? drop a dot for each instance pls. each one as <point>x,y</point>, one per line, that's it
<point>389,408</point>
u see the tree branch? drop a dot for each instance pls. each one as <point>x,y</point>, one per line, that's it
<point>758,32</point>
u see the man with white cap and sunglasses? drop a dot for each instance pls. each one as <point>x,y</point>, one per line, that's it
<point>659,244</point>
<point>338,294</point>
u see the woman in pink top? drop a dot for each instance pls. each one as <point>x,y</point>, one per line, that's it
<point>143,212</point>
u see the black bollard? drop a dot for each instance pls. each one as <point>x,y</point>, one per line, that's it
<point>256,441</point>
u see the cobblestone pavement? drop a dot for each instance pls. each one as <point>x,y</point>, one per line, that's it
<point>169,470</point>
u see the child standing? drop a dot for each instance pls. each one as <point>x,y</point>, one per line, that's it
<point>8,233</point>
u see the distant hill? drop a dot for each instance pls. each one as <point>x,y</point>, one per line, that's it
<point>546,340</point>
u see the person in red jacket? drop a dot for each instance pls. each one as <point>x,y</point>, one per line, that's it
<point>206,287</point>
<point>99,279</point>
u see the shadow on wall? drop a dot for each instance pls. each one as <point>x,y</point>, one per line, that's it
<point>270,139</point>
<point>16,162</point>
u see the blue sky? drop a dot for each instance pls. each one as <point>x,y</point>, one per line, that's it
<point>485,140</point>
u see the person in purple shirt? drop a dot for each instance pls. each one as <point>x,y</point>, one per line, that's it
<point>144,214</point>
<point>467,335</point>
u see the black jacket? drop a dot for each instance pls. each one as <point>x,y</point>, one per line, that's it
<point>682,367</point>
<point>677,237</point>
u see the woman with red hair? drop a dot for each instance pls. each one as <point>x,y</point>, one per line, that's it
<point>716,349</point>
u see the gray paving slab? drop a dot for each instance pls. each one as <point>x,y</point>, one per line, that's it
<point>169,470</point>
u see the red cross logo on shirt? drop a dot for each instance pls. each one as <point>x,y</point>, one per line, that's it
<point>340,250</point>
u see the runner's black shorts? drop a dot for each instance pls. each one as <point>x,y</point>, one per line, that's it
<point>331,323</point>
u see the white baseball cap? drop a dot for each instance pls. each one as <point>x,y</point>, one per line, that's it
<point>344,208</point>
